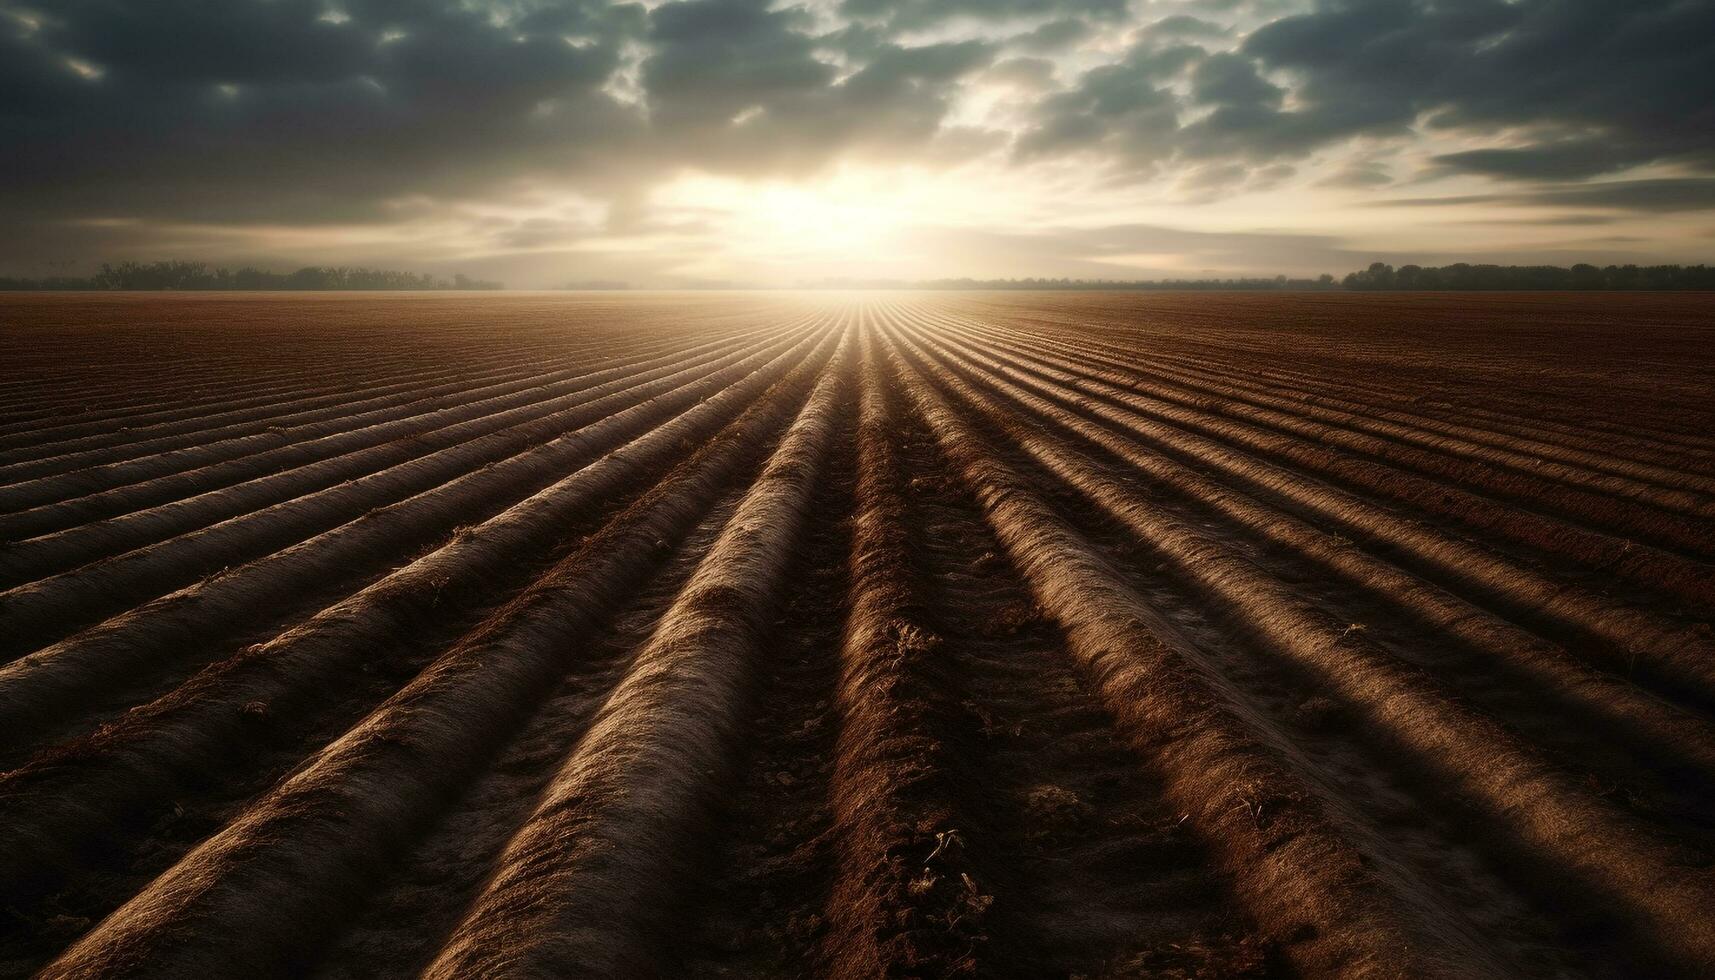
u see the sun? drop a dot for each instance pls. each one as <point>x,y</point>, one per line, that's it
<point>772,221</point>
<point>823,222</point>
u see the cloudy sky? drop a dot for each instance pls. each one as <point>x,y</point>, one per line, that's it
<point>773,141</point>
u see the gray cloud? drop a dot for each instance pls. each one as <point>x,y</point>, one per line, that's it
<point>1657,195</point>
<point>1027,73</point>
<point>1582,88</point>
<point>1054,35</point>
<point>272,110</point>
<point>716,58</point>
<point>158,117</point>
<point>1186,26</point>
<point>1123,109</point>
<point>259,110</point>
<point>1358,175</point>
<point>1603,86</point>
<point>1552,221</point>
<point>736,87</point>
<point>1565,160</point>
<point>913,14</point>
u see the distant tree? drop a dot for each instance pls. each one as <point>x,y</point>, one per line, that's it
<point>197,275</point>
<point>1379,275</point>
<point>1464,276</point>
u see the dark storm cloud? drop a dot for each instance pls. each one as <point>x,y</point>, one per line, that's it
<point>182,42</point>
<point>1600,86</point>
<point>1231,112</point>
<point>309,110</point>
<point>305,111</point>
<point>1581,88</point>
<point>1232,80</point>
<point>737,86</point>
<point>1125,109</point>
<point>716,58</point>
<point>122,119</point>
<point>210,111</point>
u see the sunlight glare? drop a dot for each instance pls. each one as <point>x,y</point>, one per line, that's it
<point>778,220</point>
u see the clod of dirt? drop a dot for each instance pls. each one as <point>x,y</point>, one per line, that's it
<point>1057,805</point>
<point>1318,714</point>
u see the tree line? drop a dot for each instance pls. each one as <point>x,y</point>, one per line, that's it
<point>198,275</point>
<point>1277,282</point>
<point>1379,276</point>
<point>1463,276</point>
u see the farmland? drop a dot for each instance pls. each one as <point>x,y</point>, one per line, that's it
<point>851,634</point>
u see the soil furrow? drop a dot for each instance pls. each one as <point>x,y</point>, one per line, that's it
<point>51,680</point>
<point>570,437</point>
<point>406,922</point>
<point>41,461</point>
<point>1425,479</point>
<point>1602,847</point>
<point>615,831</point>
<point>1535,668</point>
<point>1308,887</point>
<point>1100,874</point>
<point>117,488</point>
<point>342,461</point>
<point>1628,638</point>
<point>290,850</point>
<point>704,633</point>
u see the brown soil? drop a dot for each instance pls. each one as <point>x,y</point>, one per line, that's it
<point>990,634</point>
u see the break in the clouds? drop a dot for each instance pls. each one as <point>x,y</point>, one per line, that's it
<point>762,140</point>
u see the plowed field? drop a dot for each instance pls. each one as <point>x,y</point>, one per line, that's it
<point>990,634</point>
